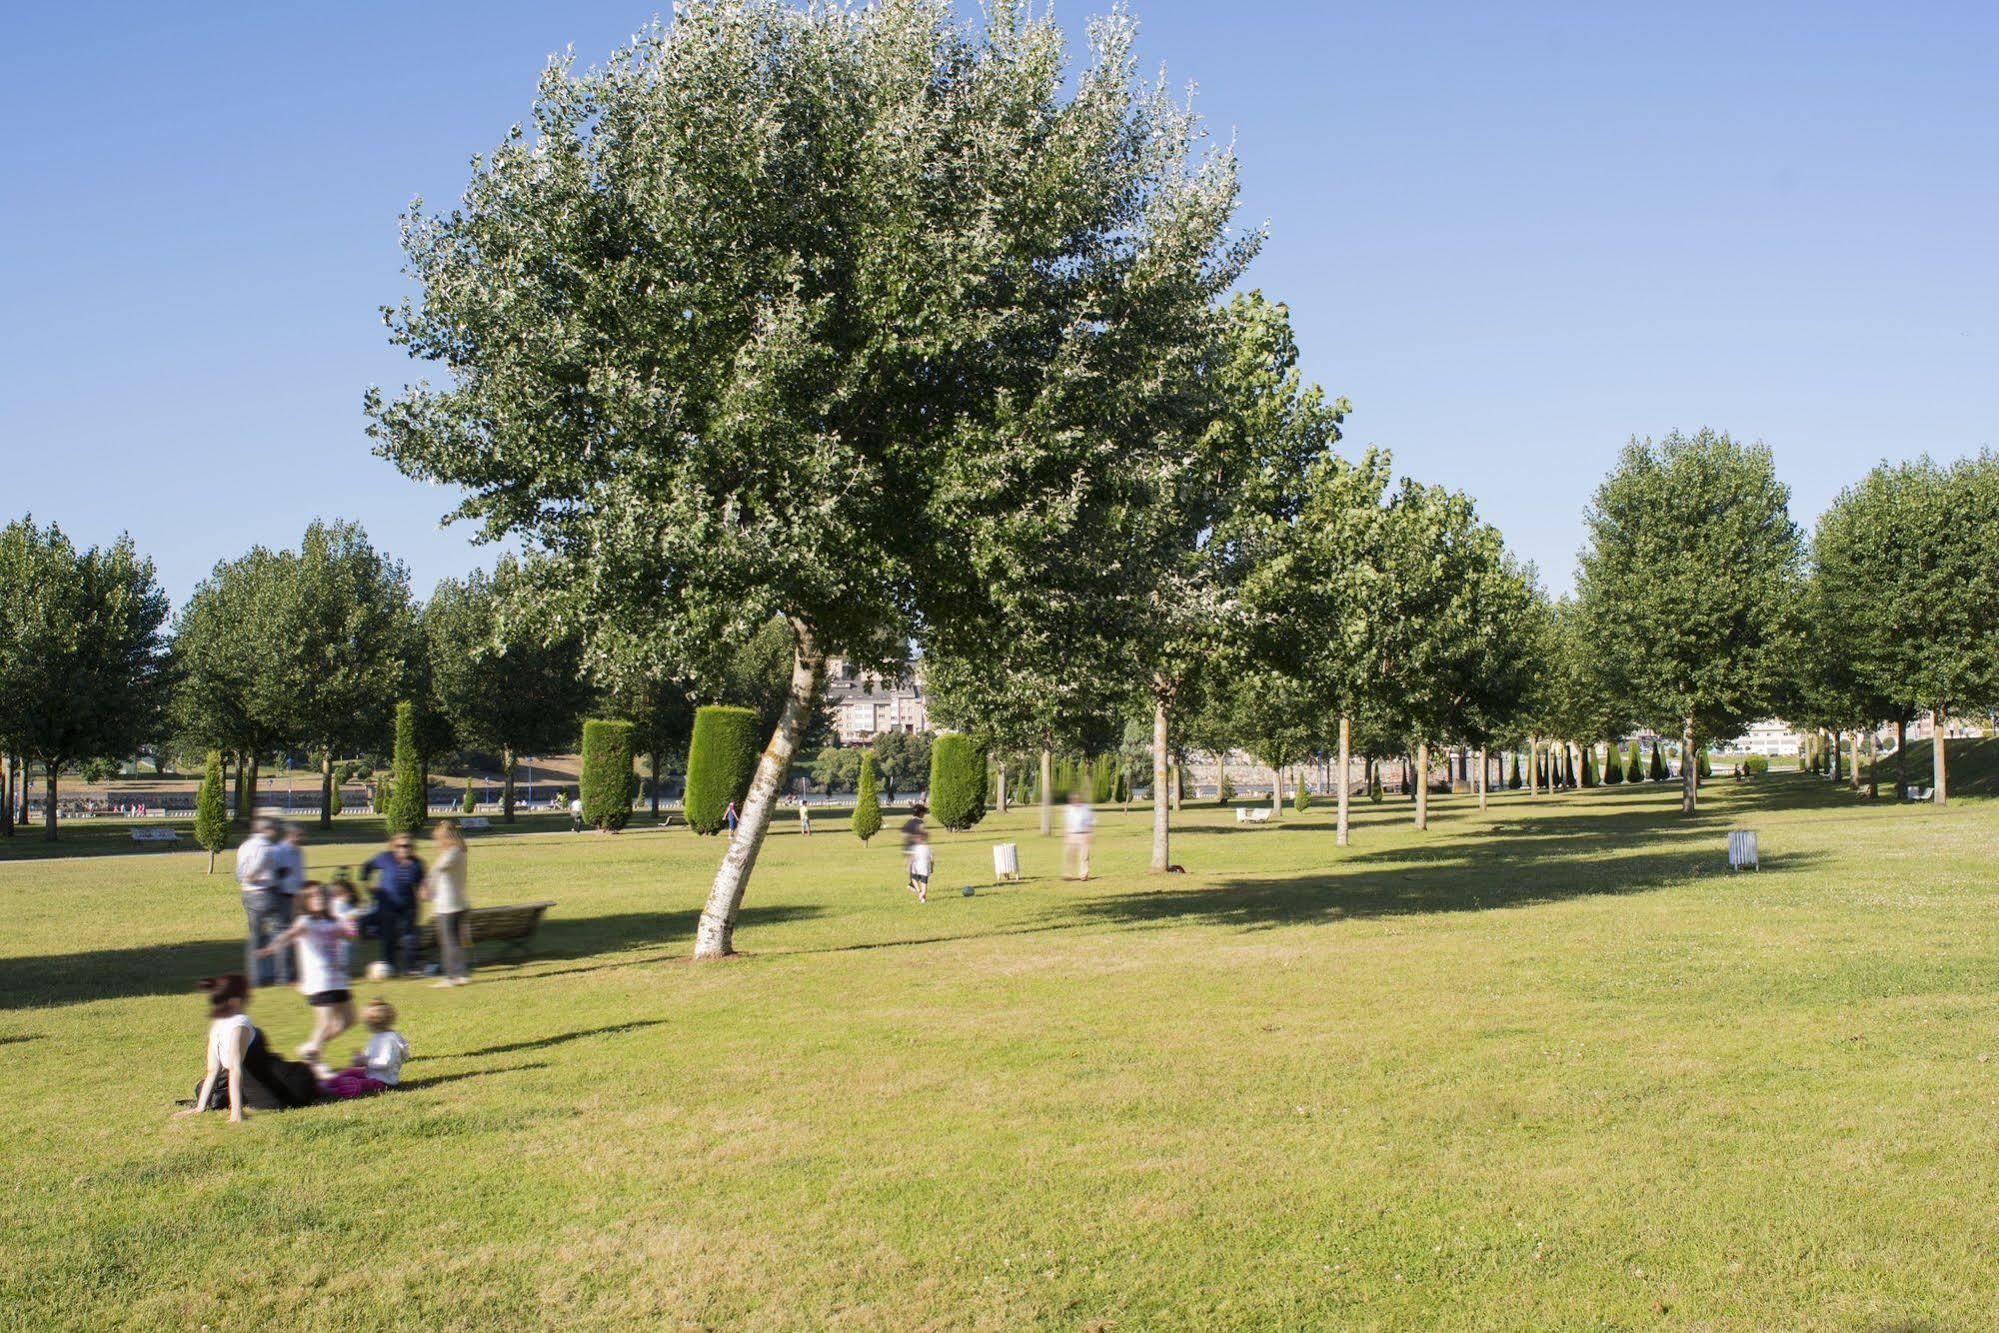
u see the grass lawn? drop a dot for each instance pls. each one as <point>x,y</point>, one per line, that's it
<point>1548,1067</point>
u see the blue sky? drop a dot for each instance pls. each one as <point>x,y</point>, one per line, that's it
<point>1513,234</point>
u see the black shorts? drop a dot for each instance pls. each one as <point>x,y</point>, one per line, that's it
<point>321,999</point>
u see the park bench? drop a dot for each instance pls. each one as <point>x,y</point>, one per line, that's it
<point>1252,815</point>
<point>474,821</point>
<point>161,835</point>
<point>1742,850</point>
<point>513,925</point>
<point>1919,793</point>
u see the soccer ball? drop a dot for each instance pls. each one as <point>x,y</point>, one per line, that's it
<point>379,971</point>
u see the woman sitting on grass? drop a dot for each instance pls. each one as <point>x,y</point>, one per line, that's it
<point>242,1072</point>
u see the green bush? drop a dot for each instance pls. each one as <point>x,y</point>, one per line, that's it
<point>404,811</point>
<point>721,761</point>
<point>1657,770</point>
<point>1301,800</point>
<point>1613,766</point>
<point>1513,771</point>
<point>605,782</point>
<point>1756,765</point>
<point>471,801</point>
<point>211,814</point>
<point>1706,768</point>
<point>867,803</point>
<point>957,780</point>
<point>1634,764</point>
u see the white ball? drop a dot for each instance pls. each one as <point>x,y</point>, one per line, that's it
<point>380,971</point>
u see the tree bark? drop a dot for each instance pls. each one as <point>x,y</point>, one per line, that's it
<point>1873,763</point>
<point>1533,767</point>
<point>1422,784</point>
<point>1901,758</point>
<point>6,796</point>
<point>1161,802</point>
<point>1346,751</point>
<point>1690,769</point>
<point>1047,792</point>
<point>1173,784</point>
<point>1483,777</point>
<point>715,937</point>
<point>1853,745</point>
<point>652,761</point>
<point>241,814</point>
<point>1939,768</point>
<point>1001,766</point>
<point>507,763</point>
<point>1277,791</point>
<point>49,771</point>
<point>250,789</point>
<point>326,788</point>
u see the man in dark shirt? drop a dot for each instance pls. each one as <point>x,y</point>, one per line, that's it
<point>401,875</point>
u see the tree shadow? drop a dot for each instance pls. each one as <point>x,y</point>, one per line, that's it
<point>171,969</point>
<point>555,1039</point>
<point>422,1081</point>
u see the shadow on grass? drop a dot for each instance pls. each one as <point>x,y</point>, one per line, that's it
<point>556,1039</point>
<point>437,1080</point>
<point>170,969</point>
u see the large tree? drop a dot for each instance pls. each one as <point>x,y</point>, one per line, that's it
<point>83,655</point>
<point>229,688</point>
<point>1692,553</point>
<point>503,683</point>
<point>1907,590</point>
<point>812,313</point>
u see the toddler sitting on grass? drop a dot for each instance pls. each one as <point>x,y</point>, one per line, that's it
<point>378,1066</point>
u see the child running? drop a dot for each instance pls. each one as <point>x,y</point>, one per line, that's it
<point>322,974</point>
<point>378,1066</point>
<point>920,862</point>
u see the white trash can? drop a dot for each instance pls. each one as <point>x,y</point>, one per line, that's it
<point>1006,860</point>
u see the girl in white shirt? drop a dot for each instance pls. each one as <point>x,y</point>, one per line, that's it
<point>322,970</point>
<point>378,1066</point>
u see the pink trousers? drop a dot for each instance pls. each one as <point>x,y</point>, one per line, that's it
<point>350,1083</point>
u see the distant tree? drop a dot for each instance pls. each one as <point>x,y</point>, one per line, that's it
<point>721,764</point>
<point>211,817</point>
<point>957,781</point>
<point>902,761</point>
<point>1513,771</point>
<point>604,783</point>
<point>408,806</point>
<point>470,801</point>
<point>1657,771</point>
<point>1692,548</point>
<point>83,657</point>
<point>867,805</point>
<point>505,684</point>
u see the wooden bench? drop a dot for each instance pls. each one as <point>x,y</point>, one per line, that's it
<point>162,835</point>
<point>512,925</point>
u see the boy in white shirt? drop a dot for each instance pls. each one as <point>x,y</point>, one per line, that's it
<point>919,865</point>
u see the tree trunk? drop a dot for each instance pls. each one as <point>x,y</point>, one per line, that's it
<point>1533,767</point>
<point>1690,770</point>
<point>250,789</point>
<point>1047,793</point>
<point>1422,784</point>
<point>1161,818</point>
<point>49,771</point>
<point>715,937</point>
<point>326,788</point>
<point>1173,784</point>
<point>21,788</point>
<point>240,814</point>
<point>6,796</point>
<point>1001,767</point>
<point>1873,763</point>
<point>1853,745</point>
<point>1346,751</point>
<point>507,762</point>
<point>1939,774</point>
<point>1276,791</point>
<point>652,761</point>
<point>1483,777</point>
<point>1901,758</point>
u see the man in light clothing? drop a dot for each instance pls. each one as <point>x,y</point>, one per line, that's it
<point>1079,821</point>
<point>266,907</point>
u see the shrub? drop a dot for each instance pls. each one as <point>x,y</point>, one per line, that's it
<point>867,805</point>
<point>333,804</point>
<point>1706,769</point>
<point>471,801</point>
<point>605,782</point>
<point>1301,800</point>
<point>1513,771</point>
<point>404,810</point>
<point>1755,765</point>
<point>721,761</point>
<point>1634,764</point>
<point>1374,783</point>
<point>1613,766</point>
<point>1658,768</point>
<point>957,780</point>
<point>211,815</point>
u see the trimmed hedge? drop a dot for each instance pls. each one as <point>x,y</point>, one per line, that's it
<point>867,802</point>
<point>405,809</point>
<point>957,780</point>
<point>721,762</point>
<point>1634,764</point>
<point>470,801</point>
<point>605,782</point>
<point>1613,766</point>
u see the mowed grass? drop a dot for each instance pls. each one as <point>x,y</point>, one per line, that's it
<point>1551,1066</point>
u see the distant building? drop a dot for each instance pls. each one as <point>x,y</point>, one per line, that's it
<point>1773,736</point>
<point>865,705</point>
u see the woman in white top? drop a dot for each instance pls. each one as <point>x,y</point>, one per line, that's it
<point>322,967</point>
<point>241,1070</point>
<point>445,888</point>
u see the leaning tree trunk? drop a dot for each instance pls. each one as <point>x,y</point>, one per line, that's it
<point>1161,807</point>
<point>1422,784</point>
<point>1483,776</point>
<point>1939,774</point>
<point>507,762</point>
<point>49,771</point>
<point>1346,752</point>
<point>715,938</point>
<point>1047,793</point>
<point>326,788</point>
<point>1690,769</point>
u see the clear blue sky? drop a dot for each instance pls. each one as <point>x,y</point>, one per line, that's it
<point>1513,234</point>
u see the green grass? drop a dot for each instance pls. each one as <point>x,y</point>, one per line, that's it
<point>1548,1067</point>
